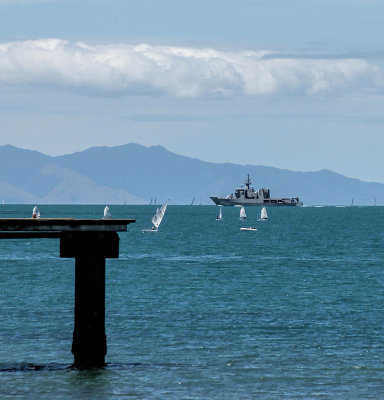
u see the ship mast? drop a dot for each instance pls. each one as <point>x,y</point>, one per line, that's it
<point>248,182</point>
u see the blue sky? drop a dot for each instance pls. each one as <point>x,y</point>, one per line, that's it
<point>291,84</point>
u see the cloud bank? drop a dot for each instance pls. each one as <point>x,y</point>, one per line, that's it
<point>123,69</point>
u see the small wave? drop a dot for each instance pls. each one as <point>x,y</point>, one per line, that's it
<point>34,367</point>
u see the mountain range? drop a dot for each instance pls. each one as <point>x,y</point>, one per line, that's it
<point>135,174</point>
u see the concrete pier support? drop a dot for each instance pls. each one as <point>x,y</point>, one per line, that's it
<point>89,242</point>
<point>89,345</point>
<point>90,250</point>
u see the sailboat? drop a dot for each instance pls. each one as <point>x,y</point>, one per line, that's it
<point>243,214</point>
<point>107,213</point>
<point>220,216</point>
<point>157,218</point>
<point>263,214</point>
<point>35,212</point>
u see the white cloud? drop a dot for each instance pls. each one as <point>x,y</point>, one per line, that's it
<point>179,72</point>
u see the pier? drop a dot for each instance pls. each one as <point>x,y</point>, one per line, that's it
<point>89,242</point>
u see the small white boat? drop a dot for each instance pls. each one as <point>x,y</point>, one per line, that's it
<point>251,228</point>
<point>243,214</point>
<point>157,218</point>
<point>263,214</point>
<point>35,212</point>
<point>220,216</point>
<point>107,213</point>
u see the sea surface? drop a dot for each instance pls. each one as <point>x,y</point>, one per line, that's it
<point>202,310</point>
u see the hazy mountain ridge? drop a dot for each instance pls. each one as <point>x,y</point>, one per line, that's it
<point>135,174</point>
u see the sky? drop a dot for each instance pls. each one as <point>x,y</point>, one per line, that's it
<point>295,84</point>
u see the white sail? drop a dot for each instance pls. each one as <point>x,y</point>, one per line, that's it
<point>263,214</point>
<point>220,216</point>
<point>107,213</point>
<point>157,218</point>
<point>35,212</point>
<point>243,215</point>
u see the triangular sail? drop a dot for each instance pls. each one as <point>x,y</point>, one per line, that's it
<point>157,218</point>
<point>243,214</point>
<point>263,214</point>
<point>220,216</point>
<point>107,213</point>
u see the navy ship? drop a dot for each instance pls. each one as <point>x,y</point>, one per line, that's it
<point>246,196</point>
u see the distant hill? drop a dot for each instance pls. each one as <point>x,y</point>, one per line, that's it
<point>135,174</point>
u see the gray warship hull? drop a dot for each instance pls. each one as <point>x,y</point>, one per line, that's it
<point>247,196</point>
<point>223,201</point>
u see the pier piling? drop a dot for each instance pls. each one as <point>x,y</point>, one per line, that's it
<point>90,242</point>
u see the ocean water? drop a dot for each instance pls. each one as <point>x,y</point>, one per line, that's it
<point>202,310</point>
